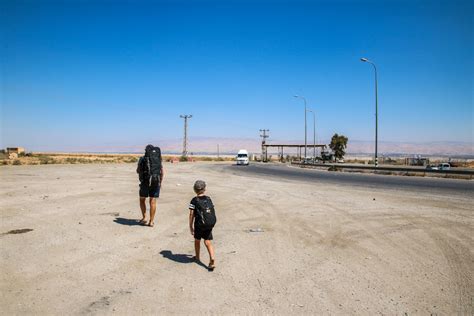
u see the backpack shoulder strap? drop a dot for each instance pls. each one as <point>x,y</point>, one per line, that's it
<point>201,204</point>
<point>209,202</point>
<point>198,203</point>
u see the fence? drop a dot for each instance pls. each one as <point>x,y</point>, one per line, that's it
<point>464,172</point>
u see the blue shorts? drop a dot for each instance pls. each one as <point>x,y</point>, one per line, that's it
<point>149,189</point>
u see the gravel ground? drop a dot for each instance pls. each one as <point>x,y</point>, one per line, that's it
<point>70,244</point>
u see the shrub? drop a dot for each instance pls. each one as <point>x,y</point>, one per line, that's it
<point>205,158</point>
<point>45,160</point>
<point>183,158</point>
<point>334,168</point>
<point>70,160</point>
<point>17,162</point>
<point>131,159</point>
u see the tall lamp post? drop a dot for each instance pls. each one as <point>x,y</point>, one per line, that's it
<point>314,135</point>
<point>365,60</point>
<point>305,125</point>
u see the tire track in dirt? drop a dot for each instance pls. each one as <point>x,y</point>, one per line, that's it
<point>461,263</point>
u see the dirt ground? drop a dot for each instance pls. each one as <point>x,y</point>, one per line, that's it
<point>70,245</point>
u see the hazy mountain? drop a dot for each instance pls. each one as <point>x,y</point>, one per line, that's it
<point>428,148</point>
<point>200,145</point>
<point>232,145</point>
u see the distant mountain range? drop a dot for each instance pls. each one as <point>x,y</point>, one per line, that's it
<point>208,145</point>
<point>427,148</point>
<point>232,145</point>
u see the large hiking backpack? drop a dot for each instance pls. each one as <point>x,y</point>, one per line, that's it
<point>149,166</point>
<point>205,213</point>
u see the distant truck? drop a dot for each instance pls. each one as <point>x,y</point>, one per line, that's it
<point>242,157</point>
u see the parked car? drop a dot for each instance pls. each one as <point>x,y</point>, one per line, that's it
<point>441,166</point>
<point>444,166</point>
<point>326,156</point>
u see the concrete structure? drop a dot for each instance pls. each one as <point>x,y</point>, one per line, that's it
<point>417,161</point>
<point>280,148</point>
<point>15,150</point>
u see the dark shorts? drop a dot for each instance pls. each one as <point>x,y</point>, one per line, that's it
<point>205,234</point>
<point>149,190</point>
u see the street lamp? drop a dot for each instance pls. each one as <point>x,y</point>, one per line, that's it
<point>365,60</point>
<point>305,127</point>
<point>314,135</point>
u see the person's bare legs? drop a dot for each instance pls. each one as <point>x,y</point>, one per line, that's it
<point>143,209</point>
<point>151,223</point>
<point>210,249</point>
<point>197,248</point>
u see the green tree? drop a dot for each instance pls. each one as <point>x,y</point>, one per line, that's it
<point>338,145</point>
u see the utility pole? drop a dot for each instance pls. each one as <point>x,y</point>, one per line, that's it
<point>305,125</point>
<point>264,135</point>
<point>185,139</point>
<point>376,159</point>
<point>314,134</point>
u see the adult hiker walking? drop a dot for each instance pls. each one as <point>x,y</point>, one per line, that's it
<point>150,173</point>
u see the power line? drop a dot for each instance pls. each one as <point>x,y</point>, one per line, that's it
<point>185,139</point>
<point>264,135</point>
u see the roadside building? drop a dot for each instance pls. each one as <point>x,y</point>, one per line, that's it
<point>15,150</point>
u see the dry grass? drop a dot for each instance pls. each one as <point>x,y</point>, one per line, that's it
<point>47,158</point>
<point>70,158</point>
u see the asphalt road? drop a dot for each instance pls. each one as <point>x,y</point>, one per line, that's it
<point>421,184</point>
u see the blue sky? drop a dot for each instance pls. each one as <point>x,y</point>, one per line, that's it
<point>101,72</point>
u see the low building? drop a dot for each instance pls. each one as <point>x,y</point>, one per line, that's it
<point>15,150</point>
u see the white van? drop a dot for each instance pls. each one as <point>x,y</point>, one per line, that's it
<point>242,157</point>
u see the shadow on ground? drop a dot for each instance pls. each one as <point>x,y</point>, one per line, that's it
<point>17,231</point>
<point>127,221</point>
<point>180,258</point>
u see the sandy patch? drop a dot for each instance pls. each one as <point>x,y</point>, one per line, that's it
<point>314,249</point>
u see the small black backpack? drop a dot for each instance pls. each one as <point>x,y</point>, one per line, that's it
<point>205,213</point>
<point>149,166</point>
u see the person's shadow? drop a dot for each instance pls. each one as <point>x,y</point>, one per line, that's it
<point>127,221</point>
<point>180,258</point>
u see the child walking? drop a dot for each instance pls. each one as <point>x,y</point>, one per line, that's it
<point>202,218</point>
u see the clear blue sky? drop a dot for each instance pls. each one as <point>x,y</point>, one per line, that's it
<point>98,72</point>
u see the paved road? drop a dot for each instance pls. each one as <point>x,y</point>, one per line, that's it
<point>434,185</point>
